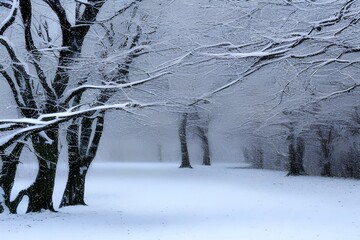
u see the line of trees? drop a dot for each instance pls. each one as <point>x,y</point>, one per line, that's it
<point>306,123</point>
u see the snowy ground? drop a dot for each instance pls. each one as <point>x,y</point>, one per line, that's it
<point>159,201</point>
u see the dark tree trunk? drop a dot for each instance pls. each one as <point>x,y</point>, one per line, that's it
<point>326,171</point>
<point>81,153</point>
<point>296,155</point>
<point>7,176</point>
<point>7,181</point>
<point>41,191</point>
<point>160,153</point>
<point>293,169</point>
<point>185,161</point>
<point>75,187</point>
<point>326,144</point>
<point>300,150</point>
<point>205,146</point>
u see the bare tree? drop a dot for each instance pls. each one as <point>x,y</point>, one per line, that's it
<point>296,155</point>
<point>185,160</point>
<point>84,134</point>
<point>326,140</point>
<point>45,143</point>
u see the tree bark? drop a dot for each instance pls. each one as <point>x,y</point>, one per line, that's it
<point>326,171</point>
<point>293,169</point>
<point>185,161</point>
<point>41,191</point>
<point>75,187</point>
<point>7,176</point>
<point>205,146</point>
<point>296,155</point>
<point>81,153</point>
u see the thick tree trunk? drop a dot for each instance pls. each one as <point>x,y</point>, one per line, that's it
<point>2,201</point>
<point>75,187</point>
<point>81,152</point>
<point>7,177</point>
<point>7,180</point>
<point>296,155</point>
<point>185,161</point>
<point>326,171</point>
<point>41,191</point>
<point>300,150</point>
<point>205,146</point>
<point>293,167</point>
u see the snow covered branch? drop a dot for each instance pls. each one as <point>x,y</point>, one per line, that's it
<point>11,17</point>
<point>30,126</point>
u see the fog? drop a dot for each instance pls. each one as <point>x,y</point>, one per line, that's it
<point>129,140</point>
<point>258,75</point>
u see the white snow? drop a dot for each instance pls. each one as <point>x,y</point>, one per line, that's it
<point>160,201</point>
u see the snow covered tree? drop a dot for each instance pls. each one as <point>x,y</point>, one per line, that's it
<point>47,98</point>
<point>326,138</point>
<point>185,160</point>
<point>42,93</point>
<point>84,134</point>
<point>296,155</point>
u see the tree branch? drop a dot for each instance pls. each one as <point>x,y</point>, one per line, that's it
<point>10,18</point>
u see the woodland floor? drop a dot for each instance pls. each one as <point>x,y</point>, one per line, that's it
<point>224,202</point>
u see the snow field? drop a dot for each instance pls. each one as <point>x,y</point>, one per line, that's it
<point>160,201</point>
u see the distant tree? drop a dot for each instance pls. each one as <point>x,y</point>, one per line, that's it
<point>203,134</point>
<point>185,160</point>
<point>296,155</point>
<point>326,137</point>
<point>254,155</point>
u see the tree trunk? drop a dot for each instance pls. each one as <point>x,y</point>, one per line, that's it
<point>41,191</point>
<point>326,171</point>
<point>204,146</point>
<point>293,167</point>
<point>75,187</point>
<point>185,161</point>
<point>81,152</point>
<point>7,177</point>
<point>296,155</point>
<point>300,150</point>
